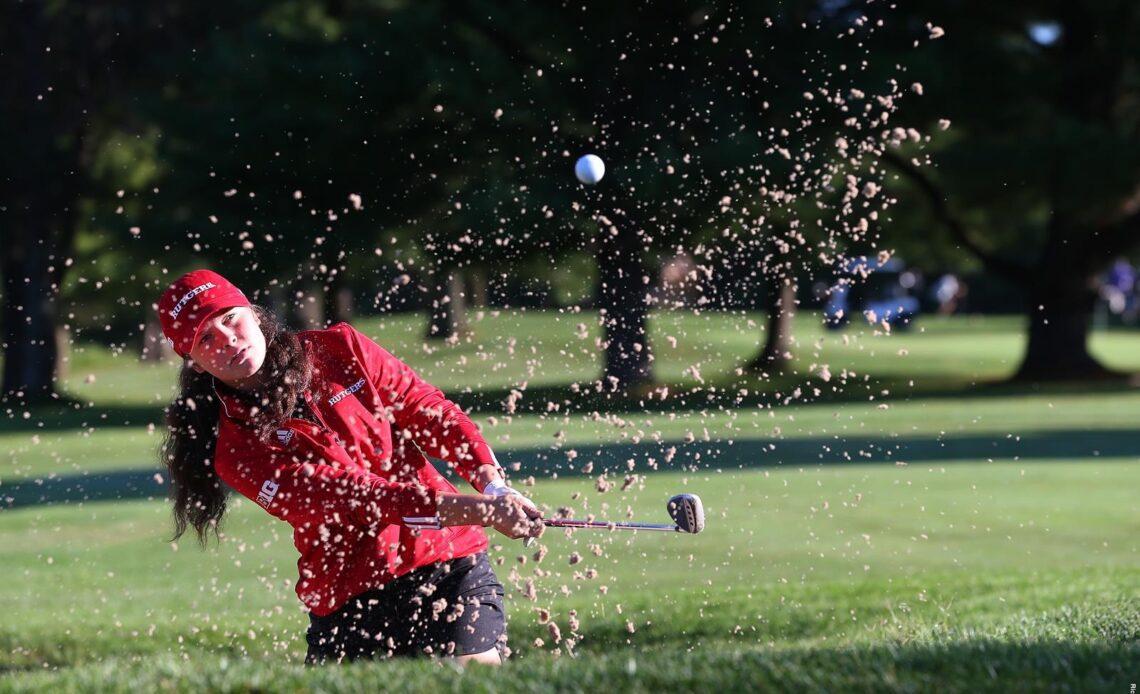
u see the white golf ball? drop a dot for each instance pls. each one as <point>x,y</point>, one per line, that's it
<point>590,169</point>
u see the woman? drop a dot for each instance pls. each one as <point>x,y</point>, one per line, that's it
<point>328,432</point>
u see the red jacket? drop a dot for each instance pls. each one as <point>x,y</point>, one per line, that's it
<point>357,488</point>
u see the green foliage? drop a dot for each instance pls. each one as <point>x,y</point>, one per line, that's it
<point>461,145</point>
<point>1040,134</point>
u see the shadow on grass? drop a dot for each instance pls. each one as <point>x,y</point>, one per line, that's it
<point>73,416</point>
<point>958,666</point>
<point>616,460</point>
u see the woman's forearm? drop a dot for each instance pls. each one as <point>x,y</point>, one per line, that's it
<point>485,474</point>
<point>463,509</point>
<point>511,515</point>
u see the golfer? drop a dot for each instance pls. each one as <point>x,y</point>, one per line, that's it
<point>327,431</point>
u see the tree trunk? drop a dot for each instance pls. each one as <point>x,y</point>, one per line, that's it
<point>62,353</point>
<point>307,307</point>
<point>448,320</point>
<point>781,309</point>
<point>37,223</point>
<point>155,348</point>
<point>37,228</point>
<point>338,300</point>
<point>622,302</point>
<point>29,318</point>
<point>1060,316</point>
<point>477,288</point>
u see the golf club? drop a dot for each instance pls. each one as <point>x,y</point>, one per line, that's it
<point>686,510</point>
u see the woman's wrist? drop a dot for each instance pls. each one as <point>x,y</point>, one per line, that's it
<point>513,514</point>
<point>485,474</point>
<point>497,487</point>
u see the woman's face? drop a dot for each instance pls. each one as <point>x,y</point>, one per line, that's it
<point>230,347</point>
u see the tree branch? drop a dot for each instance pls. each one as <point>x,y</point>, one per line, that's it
<point>518,51</point>
<point>1013,271</point>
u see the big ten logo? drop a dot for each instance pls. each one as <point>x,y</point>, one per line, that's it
<point>268,491</point>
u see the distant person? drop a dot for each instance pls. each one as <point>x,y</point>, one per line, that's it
<point>1119,289</point>
<point>324,429</point>
<point>948,290</point>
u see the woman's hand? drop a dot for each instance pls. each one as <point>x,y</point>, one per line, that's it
<point>512,514</point>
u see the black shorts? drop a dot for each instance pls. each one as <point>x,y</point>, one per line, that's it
<point>446,608</point>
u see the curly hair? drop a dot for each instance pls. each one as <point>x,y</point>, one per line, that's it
<point>198,494</point>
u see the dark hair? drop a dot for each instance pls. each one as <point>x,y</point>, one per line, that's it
<point>198,494</point>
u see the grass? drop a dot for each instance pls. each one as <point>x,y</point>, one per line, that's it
<point>801,575</point>
<point>538,349</point>
<point>925,373</point>
<point>940,535</point>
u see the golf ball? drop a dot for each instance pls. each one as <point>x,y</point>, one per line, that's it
<point>590,169</point>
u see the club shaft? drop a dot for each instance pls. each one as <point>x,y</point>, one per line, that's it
<point>606,525</point>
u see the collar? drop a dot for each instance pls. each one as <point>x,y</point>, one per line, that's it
<point>236,410</point>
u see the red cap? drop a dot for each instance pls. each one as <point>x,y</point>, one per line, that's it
<point>193,298</point>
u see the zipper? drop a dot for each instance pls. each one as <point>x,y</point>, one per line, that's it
<point>313,409</point>
<point>324,425</point>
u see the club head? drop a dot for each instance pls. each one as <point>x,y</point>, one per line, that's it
<point>687,512</point>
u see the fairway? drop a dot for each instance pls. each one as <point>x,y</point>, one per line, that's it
<point>793,560</point>
<point>923,382</point>
<point>908,531</point>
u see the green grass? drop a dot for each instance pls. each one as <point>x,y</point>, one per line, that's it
<point>802,573</point>
<point>922,377</point>
<point>28,455</point>
<point>991,545</point>
<point>540,349</point>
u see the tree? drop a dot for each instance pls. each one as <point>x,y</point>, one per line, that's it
<point>799,179</point>
<point>1039,176</point>
<point>63,63</point>
<point>37,220</point>
<point>69,68</point>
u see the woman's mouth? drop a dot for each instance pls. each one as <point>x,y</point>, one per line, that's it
<point>239,357</point>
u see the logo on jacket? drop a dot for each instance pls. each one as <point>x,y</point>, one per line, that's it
<point>268,491</point>
<point>346,392</point>
<point>284,436</point>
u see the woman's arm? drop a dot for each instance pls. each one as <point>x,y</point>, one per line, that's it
<point>438,426</point>
<point>512,515</point>
<point>300,486</point>
<point>486,474</point>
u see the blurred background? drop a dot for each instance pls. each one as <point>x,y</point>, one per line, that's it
<point>343,159</point>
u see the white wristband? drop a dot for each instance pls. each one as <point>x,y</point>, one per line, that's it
<point>498,488</point>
